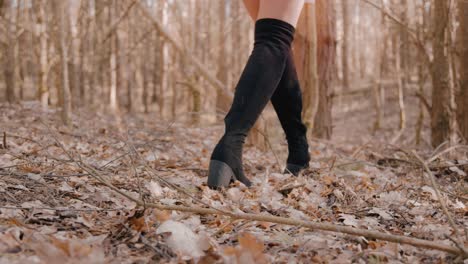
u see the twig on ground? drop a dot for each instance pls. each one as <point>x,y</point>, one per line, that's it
<point>63,209</point>
<point>313,225</point>
<point>438,148</point>
<point>5,146</point>
<point>152,172</point>
<point>441,201</point>
<point>445,151</point>
<point>290,221</point>
<point>359,149</point>
<point>145,241</point>
<point>12,166</point>
<point>44,175</point>
<point>135,172</point>
<point>288,188</point>
<point>273,219</point>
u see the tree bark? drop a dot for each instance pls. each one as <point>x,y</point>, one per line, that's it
<point>113,63</point>
<point>421,76</point>
<point>401,86</point>
<point>344,45</point>
<point>440,116</point>
<point>10,60</point>
<point>61,10</point>
<point>326,47</point>
<point>75,80</point>
<point>462,39</point>
<point>379,91</point>
<point>305,57</point>
<point>402,63</point>
<point>222,74</point>
<point>43,93</point>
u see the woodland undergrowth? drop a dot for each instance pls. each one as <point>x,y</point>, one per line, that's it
<point>132,189</point>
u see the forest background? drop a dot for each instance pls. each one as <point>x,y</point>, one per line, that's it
<point>104,99</point>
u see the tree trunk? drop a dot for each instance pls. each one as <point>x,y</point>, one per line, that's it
<point>462,39</point>
<point>305,57</point>
<point>421,77</point>
<point>222,75</point>
<point>113,62</point>
<point>145,93</point>
<point>381,46</point>
<point>75,80</point>
<point>440,116</point>
<point>400,86</point>
<point>43,60</point>
<point>10,60</point>
<point>402,63</point>
<point>404,44</point>
<point>344,45</point>
<point>326,47</point>
<point>61,10</point>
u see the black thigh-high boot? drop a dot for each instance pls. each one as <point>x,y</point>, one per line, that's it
<point>287,101</point>
<point>254,90</point>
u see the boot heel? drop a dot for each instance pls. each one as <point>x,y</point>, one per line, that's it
<point>294,169</point>
<point>219,174</point>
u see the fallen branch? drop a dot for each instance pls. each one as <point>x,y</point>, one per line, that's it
<point>446,151</point>
<point>313,225</point>
<point>294,222</point>
<point>4,141</point>
<point>421,243</point>
<point>442,202</point>
<point>62,209</point>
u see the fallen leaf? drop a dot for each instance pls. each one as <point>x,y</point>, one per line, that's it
<point>182,239</point>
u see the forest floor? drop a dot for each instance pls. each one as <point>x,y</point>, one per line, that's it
<point>55,208</point>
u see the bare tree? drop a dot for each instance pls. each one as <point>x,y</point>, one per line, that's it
<point>345,44</point>
<point>326,46</point>
<point>43,92</point>
<point>440,116</point>
<point>62,14</point>
<point>113,60</point>
<point>222,74</point>
<point>10,60</point>
<point>402,62</point>
<point>169,57</point>
<point>305,56</point>
<point>462,97</point>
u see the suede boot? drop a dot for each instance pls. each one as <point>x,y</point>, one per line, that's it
<point>255,88</point>
<point>287,102</point>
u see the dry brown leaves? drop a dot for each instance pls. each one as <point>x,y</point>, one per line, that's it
<point>52,211</point>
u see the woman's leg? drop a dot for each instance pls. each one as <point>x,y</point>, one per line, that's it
<point>274,9</point>
<point>273,37</point>
<point>287,102</point>
<point>252,7</point>
<point>285,10</point>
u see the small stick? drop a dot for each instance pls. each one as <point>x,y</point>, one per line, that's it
<point>272,219</point>
<point>441,201</point>
<point>4,141</point>
<point>445,151</point>
<point>294,222</point>
<point>63,209</point>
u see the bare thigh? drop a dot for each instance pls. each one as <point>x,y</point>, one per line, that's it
<point>252,7</point>
<point>285,10</point>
